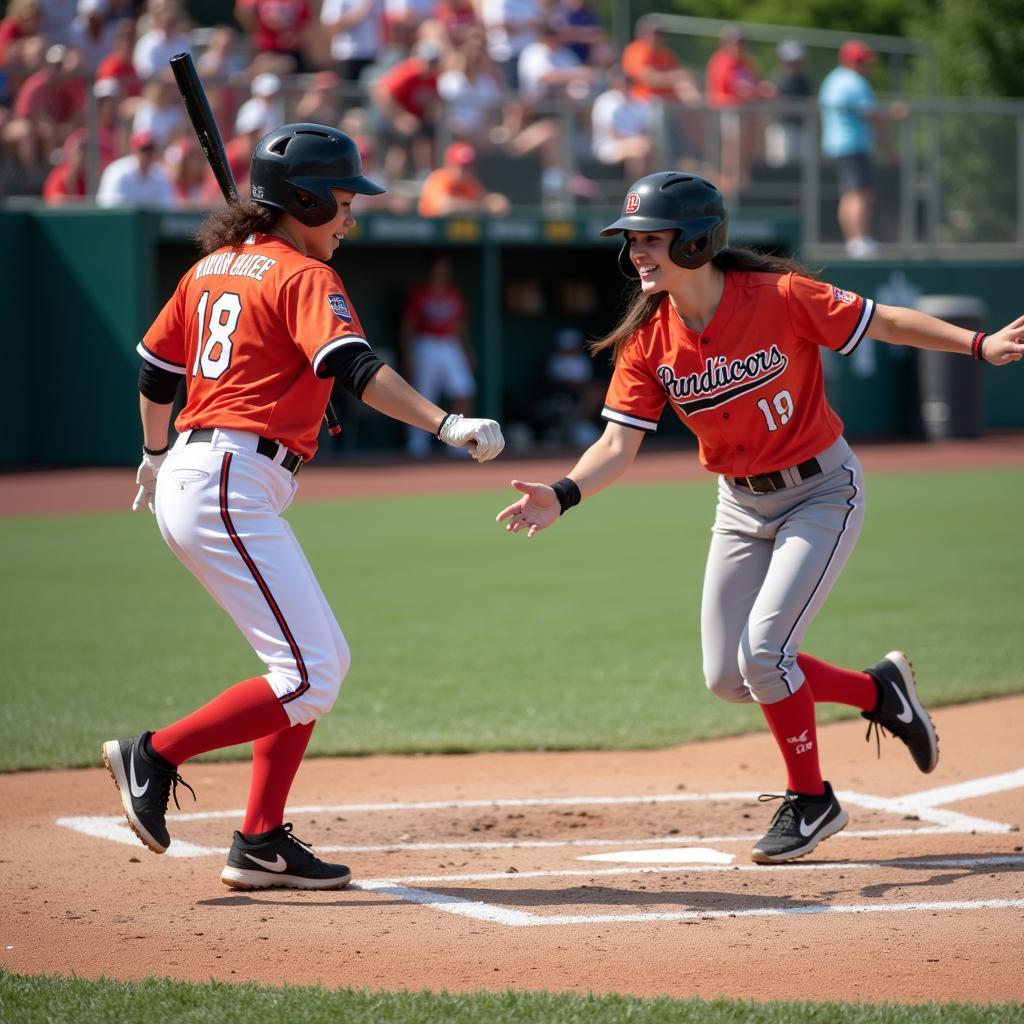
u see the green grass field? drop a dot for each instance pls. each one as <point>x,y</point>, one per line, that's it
<point>31,1000</point>
<point>467,638</point>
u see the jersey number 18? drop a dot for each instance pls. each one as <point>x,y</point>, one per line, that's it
<point>213,353</point>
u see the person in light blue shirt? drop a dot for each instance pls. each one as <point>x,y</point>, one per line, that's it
<point>850,113</point>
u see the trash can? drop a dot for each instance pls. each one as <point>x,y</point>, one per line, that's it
<point>950,384</point>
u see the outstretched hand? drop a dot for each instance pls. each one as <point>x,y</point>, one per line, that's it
<point>537,509</point>
<point>1005,346</point>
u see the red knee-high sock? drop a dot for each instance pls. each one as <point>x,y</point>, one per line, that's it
<point>831,684</point>
<point>275,760</point>
<point>792,724</point>
<point>244,712</point>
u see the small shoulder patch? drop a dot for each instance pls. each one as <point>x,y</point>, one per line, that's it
<point>340,307</point>
<point>840,296</point>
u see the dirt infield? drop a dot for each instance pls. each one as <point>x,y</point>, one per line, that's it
<point>479,872</point>
<point>47,492</point>
<point>618,872</point>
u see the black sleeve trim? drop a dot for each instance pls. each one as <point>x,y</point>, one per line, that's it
<point>352,366</point>
<point>157,384</point>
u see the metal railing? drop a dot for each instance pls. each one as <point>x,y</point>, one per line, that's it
<point>953,185</point>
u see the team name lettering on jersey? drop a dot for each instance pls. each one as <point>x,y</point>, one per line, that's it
<point>234,264</point>
<point>722,379</point>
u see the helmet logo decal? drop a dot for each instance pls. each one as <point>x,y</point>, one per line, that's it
<point>257,191</point>
<point>632,203</point>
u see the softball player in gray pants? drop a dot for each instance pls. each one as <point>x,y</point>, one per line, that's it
<point>734,349</point>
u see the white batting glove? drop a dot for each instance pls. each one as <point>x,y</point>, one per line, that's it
<point>482,437</point>
<point>146,479</point>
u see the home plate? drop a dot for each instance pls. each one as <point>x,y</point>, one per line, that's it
<point>680,855</point>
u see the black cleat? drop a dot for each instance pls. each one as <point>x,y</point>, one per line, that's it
<point>899,712</point>
<point>799,825</point>
<point>278,858</point>
<point>145,787</point>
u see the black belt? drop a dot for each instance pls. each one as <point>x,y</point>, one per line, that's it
<point>765,483</point>
<point>291,463</point>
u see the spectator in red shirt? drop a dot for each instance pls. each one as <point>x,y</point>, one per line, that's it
<point>653,70</point>
<point>459,20</point>
<point>435,346</point>
<point>407,102</point>
<point>655,75</point>
<point>22,22</point>
<point>733,81</point>
<point>119,63</point>
<point>48,106</point>
<point>455,188</point>
<point>277,30</point>
<point>66,182</point>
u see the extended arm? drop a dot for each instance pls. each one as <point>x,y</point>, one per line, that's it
<point>598,467</point>
<point>900,326</point>
<point>389,393</point>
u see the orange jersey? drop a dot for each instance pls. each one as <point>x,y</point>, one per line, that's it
<point>750,384</point>
<point>642,55</point>
<point>445,184</point>
<point>247,328</point>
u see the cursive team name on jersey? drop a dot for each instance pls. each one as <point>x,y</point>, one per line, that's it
<point>722,379</point>
<point>234,264</point>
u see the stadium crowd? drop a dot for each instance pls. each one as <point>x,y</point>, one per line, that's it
<point>431,89</point>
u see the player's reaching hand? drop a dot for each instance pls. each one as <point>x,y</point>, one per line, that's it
<point>537,509</point>
<point>481,437</point>
<point>1005,346</point>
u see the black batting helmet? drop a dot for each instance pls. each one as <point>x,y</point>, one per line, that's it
<point>675,200</point>
<point>295,167</point>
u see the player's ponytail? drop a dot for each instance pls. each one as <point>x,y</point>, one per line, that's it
<point>232,224</point>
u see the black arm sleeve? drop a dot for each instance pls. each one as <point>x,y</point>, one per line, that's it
<point>352,366</point>
<point>157,384</point>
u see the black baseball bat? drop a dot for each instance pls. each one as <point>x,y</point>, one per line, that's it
<point>204,124</point>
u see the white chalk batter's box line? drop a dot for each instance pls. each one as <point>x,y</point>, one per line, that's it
<point>924,806</point>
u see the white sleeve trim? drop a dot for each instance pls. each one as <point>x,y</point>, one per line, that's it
<point>859,331</point>
<point>629,421</point>
<point>336,343</point>
<point>156,361</point>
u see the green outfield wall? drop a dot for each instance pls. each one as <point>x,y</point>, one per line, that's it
<point>81,287</point>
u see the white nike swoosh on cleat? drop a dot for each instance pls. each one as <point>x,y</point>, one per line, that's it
<point>137,790</point>
<point>906,716</point>
<point>807,828</point>
<point>271,865</point>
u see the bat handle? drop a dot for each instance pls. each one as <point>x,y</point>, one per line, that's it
<point>331,419</point>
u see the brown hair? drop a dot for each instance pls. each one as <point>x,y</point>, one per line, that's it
<point>232,224</point>
<point>642,307</point>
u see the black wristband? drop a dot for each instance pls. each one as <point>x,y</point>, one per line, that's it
<point>441,425</point>
<point>567,493</point>
<point>156,451</point>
